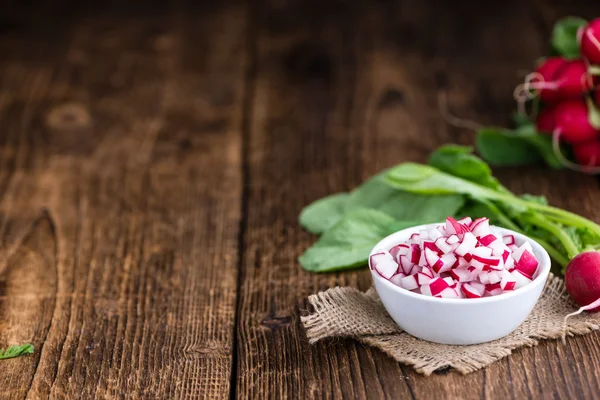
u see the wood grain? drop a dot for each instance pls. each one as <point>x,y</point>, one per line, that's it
<point>339,95</point>
<point>120,187</point>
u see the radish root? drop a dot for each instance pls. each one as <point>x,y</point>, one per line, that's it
<point>588,169</point>
<point>453,120</point>
<point>590,306</point>
<point>593,39</point>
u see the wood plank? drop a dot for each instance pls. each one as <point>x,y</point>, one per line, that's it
<point>121,192</point>
<point>339,95</point>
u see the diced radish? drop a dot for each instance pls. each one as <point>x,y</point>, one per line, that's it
<point>409,282</point>
<point>505,255</point>
<point>462,263</point>
<point>462,275</point>
<point>422,261</point>
<point>498,248</point>
<point>513,247</point>
<point>423,279</point>
<point>520,279</point>
<point>488,239</point>
<point>484,278</point>
<point>470,291</point>
<point>486,260</point>
<point>449,281</point>
<point>509,264</point>
<point>431,257</point>
<point>465,221</point>
<point>527,264</point>
<point>494,292</point>
<point>437,285</point>
<point>396,279</point>
<point>434,234</point>
<point>384,264</point>
<point>424,234</point>
<point>481,252</point>
<point>445,263</point>
<point>431,246</point>
<point>495,277</point>
<point>427,271</point>
<point>468,244</point>
<point>415,253</point>
<point>479,286</point>
<point>508,239</point>
<point>399,250</point>
<point>492,286</point>
<point>452,226</point>
<point>452,239</point>
<point>507,280</point>
<point>443,245</point>
<point>406,264</point>
<point>415,237</point>
<point>480,227</point>
<point>517,253</point>
<point>426,290</point>
<point>442,230</point>
<point>414,270</point>
<point>449,293</point>
<point>509,286</point>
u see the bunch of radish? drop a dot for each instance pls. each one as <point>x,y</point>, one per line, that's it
<point>461,259</point>
<point>570,95</point>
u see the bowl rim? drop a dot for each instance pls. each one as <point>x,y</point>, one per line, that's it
<point>537,281</point>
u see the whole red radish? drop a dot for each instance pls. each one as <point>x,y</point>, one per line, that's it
<point>582,278</point>
<point>572,123</point>
<point>545,121</point>
<point>545,74</point>
<point>587,153</point>
<point>572,79</point>
<point>590,41</point>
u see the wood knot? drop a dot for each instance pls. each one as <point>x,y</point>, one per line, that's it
<point>391,98</point>
<point>274,322</point>
<point>68,116</point>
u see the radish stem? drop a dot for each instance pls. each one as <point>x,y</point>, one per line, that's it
<point>567,242</point>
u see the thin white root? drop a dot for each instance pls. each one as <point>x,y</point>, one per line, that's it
<point>590,306</point>
<point>451,119</point>
<point>593,39</point>
<point>587,169</point>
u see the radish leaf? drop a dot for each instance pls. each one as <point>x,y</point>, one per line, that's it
<point>348,243</point>
<point>323,213</point>
<point>564,36</point>
<point>16,351</point>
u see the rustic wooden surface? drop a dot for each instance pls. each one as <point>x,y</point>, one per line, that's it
<point>154,159</point>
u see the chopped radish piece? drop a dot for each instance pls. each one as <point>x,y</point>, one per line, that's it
<point>462,275</point>
<point>397,278</point>
<point>443,245</point>
<point>453,239</point>
<point>434,234</point>
<point>488,239</point>
<point>527,264</point>
<point>415,237</point>
<point>452,226</point>
<point>517,253</point>
<point>508,239</point>
<point>399,250</point>
<point>409,282</point>
<point>486,260</point>
<point>423,279</point>
<point>468,244</point>
<point>509,264</point>
<point>448,261</point>
<point>495,277</point>
<point>470,291</point>
<point>482,252</point>
<point>414,270</point>
<point>520,279</point>
<point>449,293</point>
<point>431,246</point>
<point>406,264</point>
<point>437,285</point>
<point>431,257</point>
<point>480,227</point>
<point>427,271</point>
<point>426,290</point>
<point>465,221</point>
<point>484,278</point>
<point>513,247</point>
<point>384,264</point>
<point>415,252</point>
<point>449,281</point>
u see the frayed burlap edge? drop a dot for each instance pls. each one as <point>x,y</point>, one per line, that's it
<point>347,312</point>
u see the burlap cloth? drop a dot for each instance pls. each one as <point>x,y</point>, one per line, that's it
<point>347,312</point>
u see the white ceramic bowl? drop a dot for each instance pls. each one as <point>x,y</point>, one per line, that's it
<point>460,321</point>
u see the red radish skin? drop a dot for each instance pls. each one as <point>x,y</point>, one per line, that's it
<point>587,153</point>
<point>572,122</point>
<point>545,121</point>
<point>590,41</point>
<point>572,79</point>
<point>543,77</point>
<point>582,278</point>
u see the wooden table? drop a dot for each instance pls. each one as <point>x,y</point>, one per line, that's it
<point>154,159</point>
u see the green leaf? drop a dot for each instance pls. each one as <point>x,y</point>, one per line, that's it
<point>323,213</point>
<point>378,194</point>
<point>523,146</point>
<point>535,199</point>
<point>16,351</point>
<point>348,243</point>
<point>593,113</point>
<point>459,161</point>
<point>564,36</point>
<point>520,119</point>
